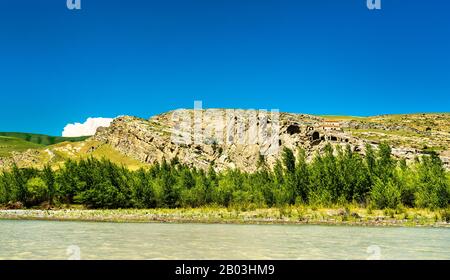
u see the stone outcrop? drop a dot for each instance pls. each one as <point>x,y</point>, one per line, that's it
<point>241,138</point>
<point>152,140</point>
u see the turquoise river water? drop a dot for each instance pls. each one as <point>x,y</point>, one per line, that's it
<point>91,240</point>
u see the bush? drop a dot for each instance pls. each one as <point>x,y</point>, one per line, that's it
<point>37,191</point>
<point>385,195</point>
<point>389,212</point>
<point>433,188</point>
<point>102,195</point>
<point>446,215</point>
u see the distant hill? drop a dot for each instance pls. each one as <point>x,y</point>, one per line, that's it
<point>44,140</point>
<point>20,142</point>
<point>10,144</point>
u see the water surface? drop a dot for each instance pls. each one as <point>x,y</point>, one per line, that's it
<point>88,240</point>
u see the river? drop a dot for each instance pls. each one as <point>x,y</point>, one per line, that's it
<point>94,240</point>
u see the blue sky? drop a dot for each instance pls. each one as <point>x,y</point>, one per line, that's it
<point>141,58</point>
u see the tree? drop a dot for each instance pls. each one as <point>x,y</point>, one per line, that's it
<point>36,191</point>
<point>289,187</point>
<point>262,183</point>
<point>186,180</point>
<point>302,177</point>
<point>278,173</point>
<point>385,164</point>
<point>433,189</point>
<point>288,160</point>
<point>330,176</point>
<point>167,182</point>
<point>370,159</point>
<point>405,180</point>
<point>282,192</point>
<point>18,184</point>
<point>318,191</point>
<point>228,182</point>
<point>69,182</point>
<point>49,179</point>
<point>144,194</point>
<point>353,176</point>
<point>5,187</point>
<point>385,194</point>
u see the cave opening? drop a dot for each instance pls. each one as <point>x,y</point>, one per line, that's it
<point>293,129</point>
<point>315,136</point>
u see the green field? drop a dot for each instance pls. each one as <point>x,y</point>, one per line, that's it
<point>41,139</point>
<point>20,142</point>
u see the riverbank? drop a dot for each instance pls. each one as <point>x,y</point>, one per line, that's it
<point>287,215</point>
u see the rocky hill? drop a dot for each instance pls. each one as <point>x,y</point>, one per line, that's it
<point>240,138</point>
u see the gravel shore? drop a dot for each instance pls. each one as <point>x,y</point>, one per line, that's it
<point>291,215</point>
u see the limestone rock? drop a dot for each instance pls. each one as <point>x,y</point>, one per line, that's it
<point>152,140</point>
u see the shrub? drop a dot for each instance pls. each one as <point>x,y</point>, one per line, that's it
<point>385,195</point>
<point>36,191</point>
<point>446,215</point>
<point>433,189</point>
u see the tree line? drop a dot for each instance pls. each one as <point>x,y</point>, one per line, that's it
<point>338,176</point>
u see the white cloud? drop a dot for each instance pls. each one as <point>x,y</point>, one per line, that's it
<point>88,128</point>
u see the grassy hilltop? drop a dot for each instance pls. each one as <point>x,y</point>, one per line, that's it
<point>41,139</point>
<point>21,142</point>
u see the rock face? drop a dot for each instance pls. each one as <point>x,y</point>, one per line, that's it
<point>155,139</point>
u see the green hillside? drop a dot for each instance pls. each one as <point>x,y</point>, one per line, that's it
<point>20,142</point>
<point>41,139</point>
<point>10,144</point>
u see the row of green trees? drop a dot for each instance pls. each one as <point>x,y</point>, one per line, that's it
<point>336,177</point>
